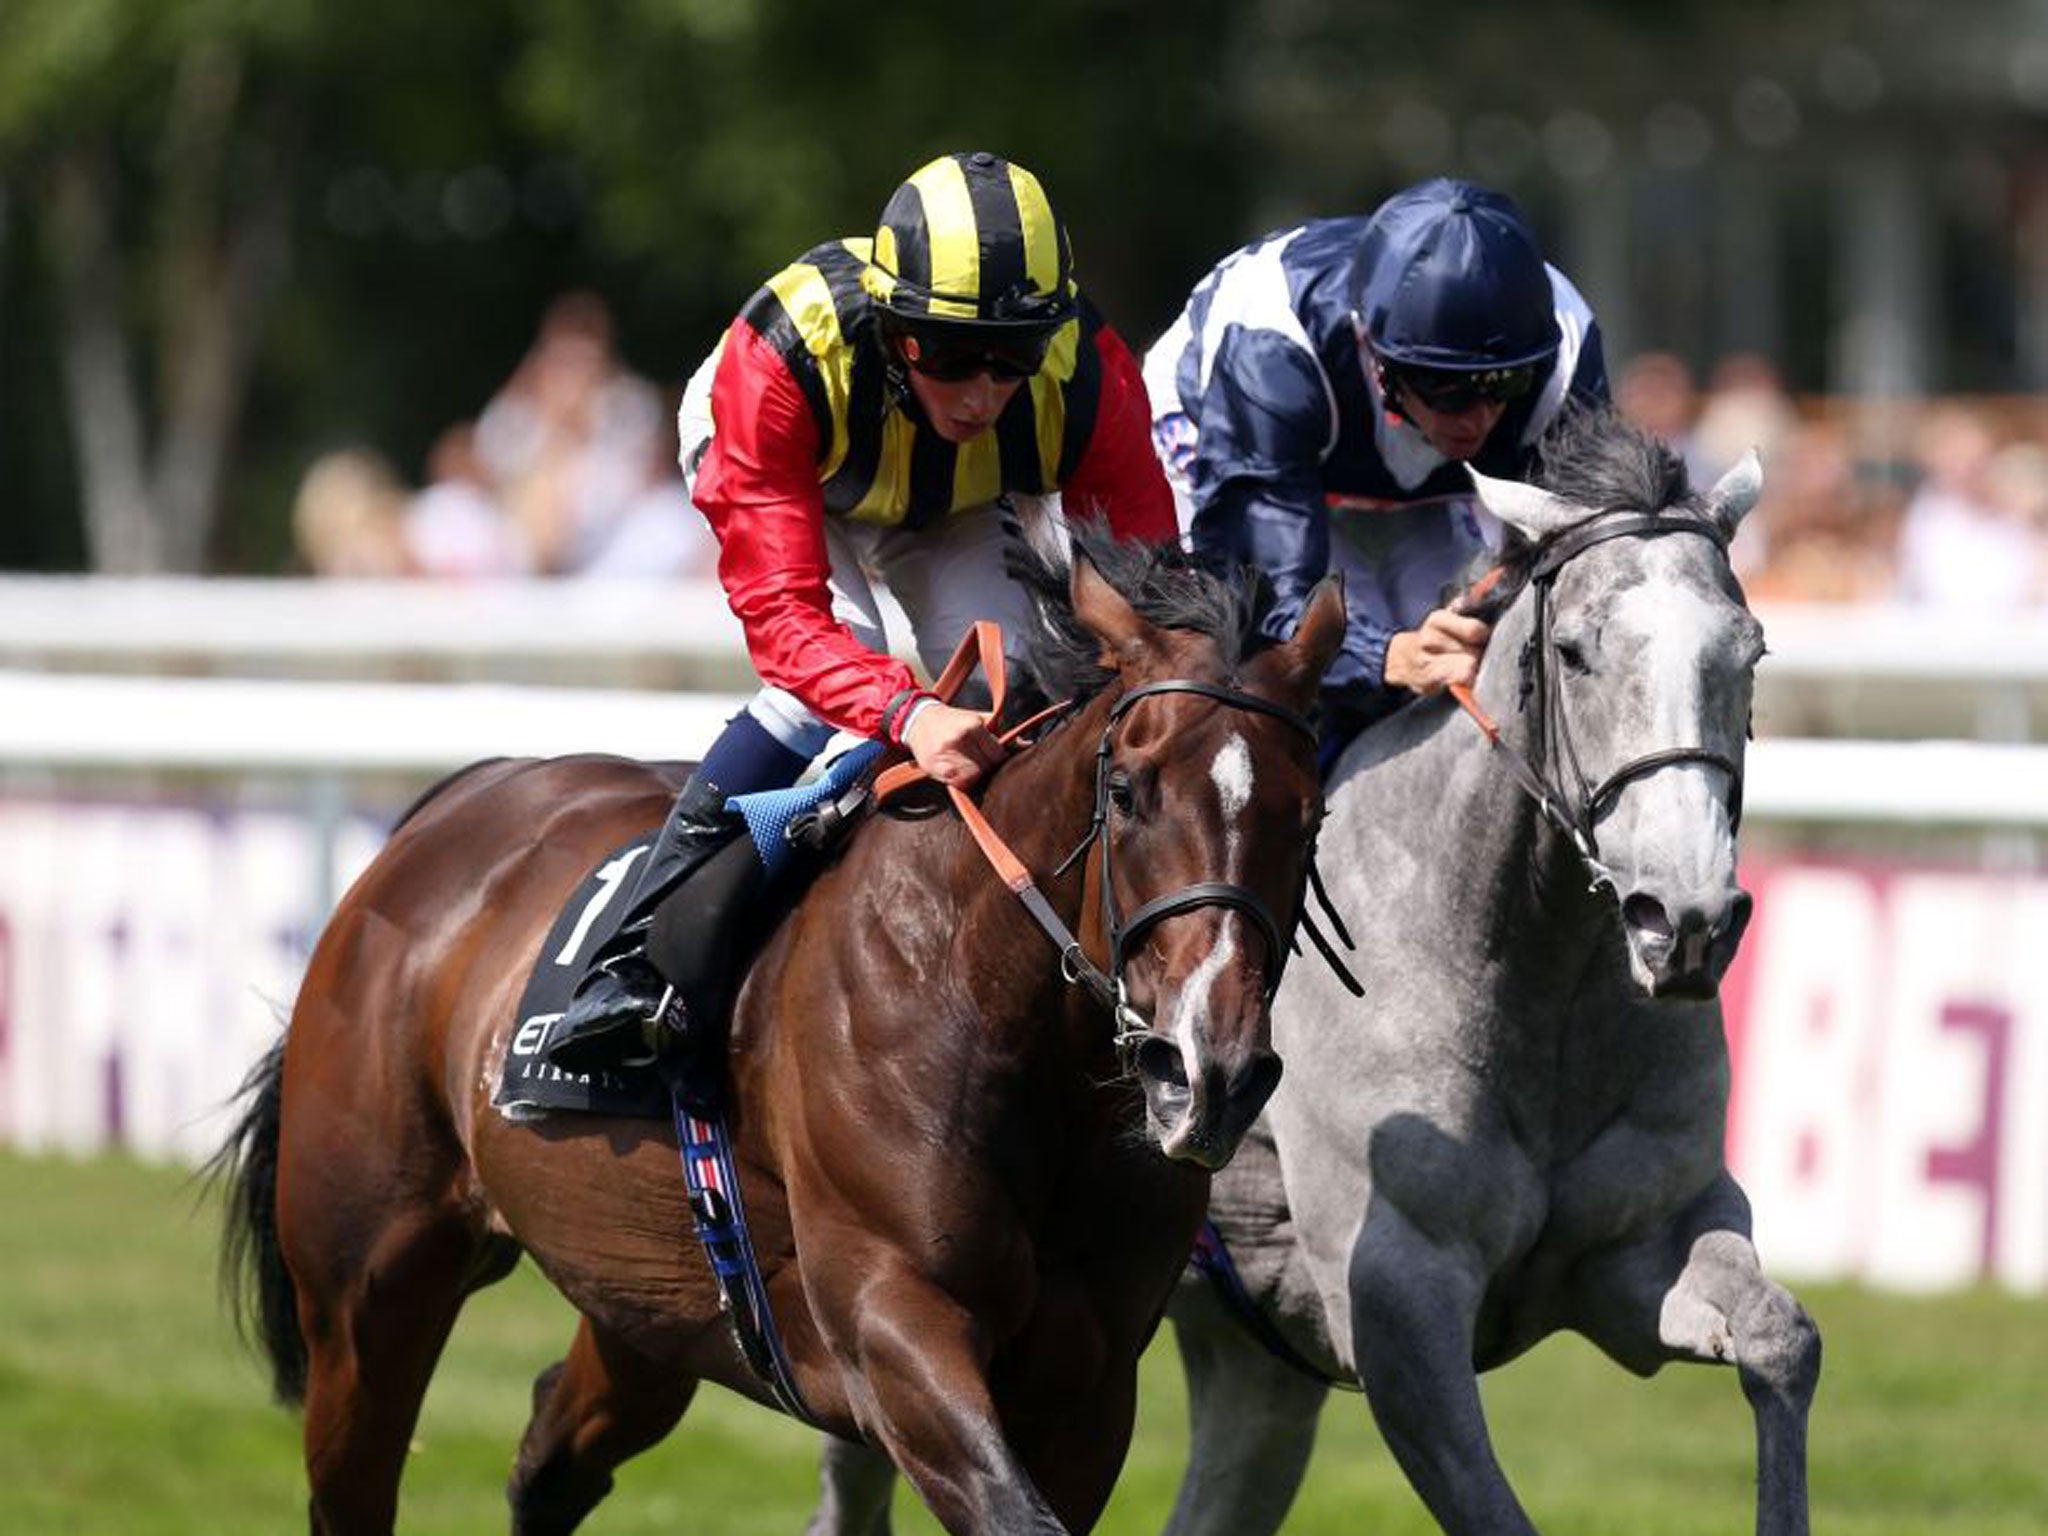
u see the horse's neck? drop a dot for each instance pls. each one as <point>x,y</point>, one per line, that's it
<point>1041,805</point>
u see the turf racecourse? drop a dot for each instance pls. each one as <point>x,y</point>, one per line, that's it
<point>127,1407</point>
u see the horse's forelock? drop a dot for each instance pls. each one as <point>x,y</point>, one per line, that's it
<point>1595,458</point>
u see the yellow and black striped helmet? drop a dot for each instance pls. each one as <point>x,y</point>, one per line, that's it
<point>972,240</point>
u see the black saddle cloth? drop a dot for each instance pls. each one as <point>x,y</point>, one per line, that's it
<point>529,1086</point>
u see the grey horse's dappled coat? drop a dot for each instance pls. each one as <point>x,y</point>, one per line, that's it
<point>1511,1135</point>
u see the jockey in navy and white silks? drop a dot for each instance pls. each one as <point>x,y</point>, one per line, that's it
<point>1315,401</point>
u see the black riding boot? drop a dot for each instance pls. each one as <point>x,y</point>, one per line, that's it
<point>614,1015</point>
<point>698,939</point>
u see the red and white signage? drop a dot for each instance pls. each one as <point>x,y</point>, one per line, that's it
<point>1890,1034</point>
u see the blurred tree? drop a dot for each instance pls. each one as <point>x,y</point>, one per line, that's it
<point>727,137</point>
<point>264,213</point>
<point>98,100</point>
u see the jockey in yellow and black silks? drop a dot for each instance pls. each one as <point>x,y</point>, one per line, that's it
<point>866,410</point>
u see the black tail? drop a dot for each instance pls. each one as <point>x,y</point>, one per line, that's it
<point>254,1281</point>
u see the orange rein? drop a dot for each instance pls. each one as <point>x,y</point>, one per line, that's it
<point>983,645</point>
<point>1459,691</point>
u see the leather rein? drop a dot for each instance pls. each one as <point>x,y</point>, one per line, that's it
<point>1575,808</point>
<point>984,645</point>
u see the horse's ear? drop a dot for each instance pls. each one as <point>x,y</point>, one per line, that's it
<point>1534,514</point>
<point>1318,636</point>
<point>1105,613</point>
<point>1736,492</point>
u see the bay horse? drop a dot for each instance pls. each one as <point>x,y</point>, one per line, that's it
<point>1519,1128</point>
<point>955,1187</point>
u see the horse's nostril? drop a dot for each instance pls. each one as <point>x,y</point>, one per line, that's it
<point>1260,1077</point>
<point>1160,1060</point>
<point>1738,916</point>
<point>1646,915</point>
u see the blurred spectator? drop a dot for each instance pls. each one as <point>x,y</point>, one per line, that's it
<point>1655,391</point>
<point>568,439</point>
<point>661,532</point>
<point>456,526</point>
<point>2018,480</point>
<point>346,518</point>
<point>1827,541</point>
<point>1969,538</point>
<point>1746,407</point>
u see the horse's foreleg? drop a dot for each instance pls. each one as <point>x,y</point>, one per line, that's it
<point>1699,1293</point>
<point>1251,1418</point>
<point>593,1411</point>
<point>855,1483</point>
<point>922,1390</point>
<point>1412,1310</point>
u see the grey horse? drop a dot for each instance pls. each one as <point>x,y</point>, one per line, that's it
<point>1520,1128</point>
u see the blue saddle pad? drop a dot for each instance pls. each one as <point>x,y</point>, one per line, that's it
<point>769,812</point>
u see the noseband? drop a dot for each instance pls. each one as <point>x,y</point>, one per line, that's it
<point>1575,808</point>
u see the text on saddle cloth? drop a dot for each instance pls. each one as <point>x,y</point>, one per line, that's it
<point>529,1086</point>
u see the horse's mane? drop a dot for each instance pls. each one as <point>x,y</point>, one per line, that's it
<point>1595,458</point>
<point>1161,581</point>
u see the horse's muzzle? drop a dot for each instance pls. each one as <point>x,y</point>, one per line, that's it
<point>1683,958</point>
<point>1203,1121</point>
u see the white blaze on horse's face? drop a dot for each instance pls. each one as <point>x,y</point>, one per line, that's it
<point>1194,1001</point>
<point>1232,774</point>
<point>1190,1015</point>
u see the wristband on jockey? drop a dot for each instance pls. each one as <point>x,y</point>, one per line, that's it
<point>903,709</point>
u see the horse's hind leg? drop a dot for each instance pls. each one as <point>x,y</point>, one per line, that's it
<point>855,1485</point>
<point>1698,1293</point>
<point>592,1411</point>
<point>375,1314</point>
<point>1251,1419</point>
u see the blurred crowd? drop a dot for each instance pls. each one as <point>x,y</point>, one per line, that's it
<point>1940,503</point>
<point>569,470</point>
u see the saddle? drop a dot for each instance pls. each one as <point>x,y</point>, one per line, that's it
<point>794,832</point>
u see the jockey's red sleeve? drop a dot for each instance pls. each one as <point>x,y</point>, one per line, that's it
<point>758,486</point>
<point>1119,474</point>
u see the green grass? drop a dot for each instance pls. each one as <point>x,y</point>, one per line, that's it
<point>127,1407</point>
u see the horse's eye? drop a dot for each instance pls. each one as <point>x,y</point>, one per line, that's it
<point>1120,794</point>
<point>1572,655</point>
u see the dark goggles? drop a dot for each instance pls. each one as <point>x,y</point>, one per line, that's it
<point>954,359</point>
<point>1452,390</point>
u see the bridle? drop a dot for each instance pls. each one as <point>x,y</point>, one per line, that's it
<point>1575,805</point>
<point>983,646</point>
<point>1122,933</point>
